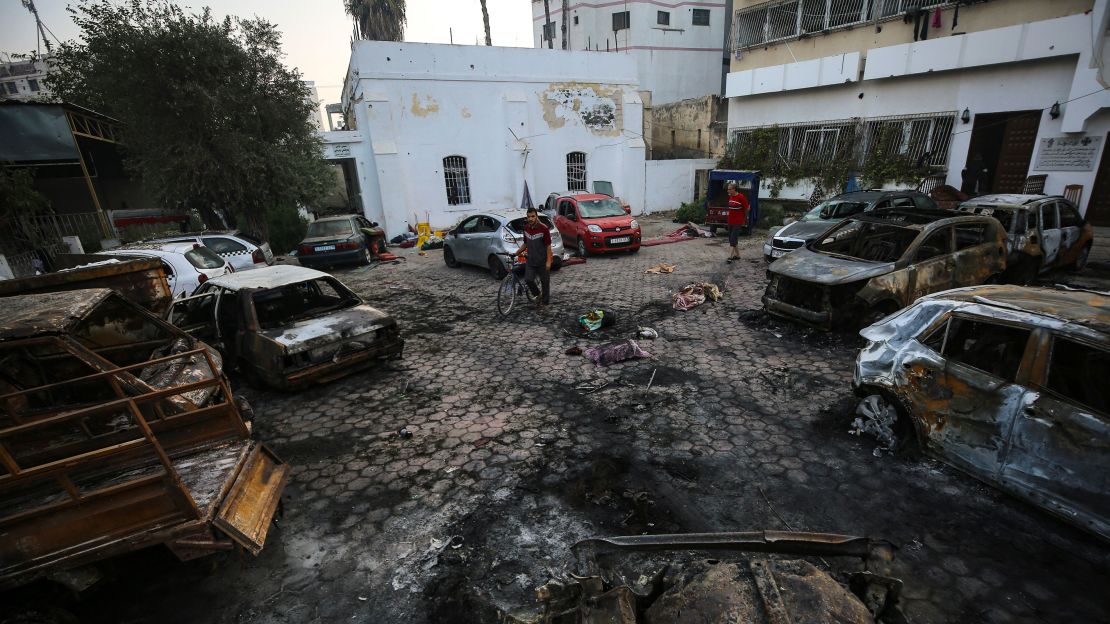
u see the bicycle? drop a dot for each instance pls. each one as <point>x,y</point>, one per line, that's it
<point>512,285</point>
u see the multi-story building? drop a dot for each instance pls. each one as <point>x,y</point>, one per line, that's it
<point>23,79</point>
<point>678,45</point>
<point>992,96</point>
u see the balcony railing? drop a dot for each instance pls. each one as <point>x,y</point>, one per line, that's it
<point>782,20</point>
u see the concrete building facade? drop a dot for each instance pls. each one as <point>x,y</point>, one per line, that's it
<point>1012,87</point>
<point>23,79</point>
<point>677,45</point>
<point>693,128</point>
<point>435,132</point>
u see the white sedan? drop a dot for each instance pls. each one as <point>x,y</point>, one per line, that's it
<point>187,265</point>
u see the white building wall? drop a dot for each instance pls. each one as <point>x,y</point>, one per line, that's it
<point>24,80</point>
<point>674,62</point>
<point>1030,68</point>
<point>514,114</point>
<point>670,183</point>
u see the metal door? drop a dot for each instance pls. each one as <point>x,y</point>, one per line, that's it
<point>464,247</point>
<point>1098,206</point>
<point>1017,150</point>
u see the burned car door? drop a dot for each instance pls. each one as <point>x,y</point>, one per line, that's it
<point>1051,235</point>
<point>196,315</point>
<point>1060,446</point>
<point>980,253</point>
<point>1071,226</point>
<point>933,265</point>
<point>965,408</point>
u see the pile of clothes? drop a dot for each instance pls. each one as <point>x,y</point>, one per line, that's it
<point>693,295</point>
<point>613,352</point>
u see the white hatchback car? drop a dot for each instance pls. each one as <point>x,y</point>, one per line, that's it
<point>187,265</point>
<point>243,251</point>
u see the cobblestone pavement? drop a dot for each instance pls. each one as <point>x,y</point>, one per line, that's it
<point>514,455</point>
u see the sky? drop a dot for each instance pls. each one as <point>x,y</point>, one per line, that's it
<point>315,40</point>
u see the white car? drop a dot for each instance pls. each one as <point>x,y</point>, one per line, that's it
<point>243,251</point>
<point>187,265</point>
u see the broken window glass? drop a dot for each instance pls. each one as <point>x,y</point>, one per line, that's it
<point>989,347</point>
<point>281,306</point>
<point>970,235</point>
<point>1048,216</point>
<point>1078,372</point>
<point>938,243</point>
<point>1068,216</point>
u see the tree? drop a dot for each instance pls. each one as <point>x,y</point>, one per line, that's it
<point>485,22</point>
<point>378,20</point>
<point>212,119</point>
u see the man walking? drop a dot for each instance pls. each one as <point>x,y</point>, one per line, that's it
<point>537,241</point>
<point>737,218</point>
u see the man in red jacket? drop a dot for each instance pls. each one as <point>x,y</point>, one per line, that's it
<point>737,217</point>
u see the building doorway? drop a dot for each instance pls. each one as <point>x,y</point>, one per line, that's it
<point>1001,148</point>
<point>1098,206</point>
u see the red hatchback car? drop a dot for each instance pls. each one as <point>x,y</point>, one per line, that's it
<point>594,223</point>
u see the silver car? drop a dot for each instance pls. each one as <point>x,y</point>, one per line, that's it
<point>479,238</point>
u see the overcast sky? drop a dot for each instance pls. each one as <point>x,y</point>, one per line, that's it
<point>316,40</point>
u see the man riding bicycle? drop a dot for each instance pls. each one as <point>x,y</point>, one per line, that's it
<point>537,242</point>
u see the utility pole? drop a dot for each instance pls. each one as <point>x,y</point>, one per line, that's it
<point>566,44</point>
<point>30,6</point>
<point>546,21</point>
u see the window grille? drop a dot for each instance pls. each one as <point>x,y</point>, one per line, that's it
<point>576,171</point>
<point>663,18</point>
<point>701,17</point>
<point>457,179</point>
<point>621,20</point>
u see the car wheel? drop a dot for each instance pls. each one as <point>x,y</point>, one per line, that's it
<point>496,267</point>
<point>634,249</point>
<point>582,253</point>
<point>1081,259</point>
<point>883,419</point>
<point>449,257</point>
<point>367,256</point>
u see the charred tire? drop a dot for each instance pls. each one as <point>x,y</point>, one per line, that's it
<point>496,267</point>
<point>582,251</point>
<point>449,257</point>
<point>874,405</point>
<point>1081,259</point>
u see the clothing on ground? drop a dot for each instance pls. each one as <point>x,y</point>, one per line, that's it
<point>613,352</point>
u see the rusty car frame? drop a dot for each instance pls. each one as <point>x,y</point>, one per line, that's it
<point>142,280</point>
<point>1006,383</point>
<point>871,265</point>
<point>1043,232</point>
<point>117,432</point>
<point>288,326</point>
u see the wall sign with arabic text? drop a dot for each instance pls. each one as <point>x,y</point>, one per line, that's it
<point>337,150</point>
<point>1065,153</point>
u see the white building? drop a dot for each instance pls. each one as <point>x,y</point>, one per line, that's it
<point>23,79</point>
<point>1012,84</point>
<point>435,132</point>
<point>678,45</point>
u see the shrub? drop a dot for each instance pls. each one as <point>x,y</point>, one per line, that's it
<point>691,212</point>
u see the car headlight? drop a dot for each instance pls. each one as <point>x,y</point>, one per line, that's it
<point>635,224</point>
<point>593,228</point>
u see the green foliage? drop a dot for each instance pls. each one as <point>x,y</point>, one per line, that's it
<point>18,196</point>
<point>691,212</point>
<point>762,150</point>
<point>383,20</point>
<point>287,228</point>
<point>212,119</point>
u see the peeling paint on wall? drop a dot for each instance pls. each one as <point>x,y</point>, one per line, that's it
<point>466,113</point>
<point>427,108</point>
<point>595,106</point>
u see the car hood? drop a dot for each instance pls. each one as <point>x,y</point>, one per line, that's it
<point>621,221</point>
<point>338,326</point>
<point>805,230</point>
<point>810,266</point>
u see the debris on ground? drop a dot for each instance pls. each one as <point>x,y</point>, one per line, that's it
<point>662,267</point>
<point>574,351</point>
<point>433,242</point>
<point>573,261</point>
<point>876,418</point>
<point>647,332</point>
<point>690,231</point>
<point>693,295</point>
<point>613,352</point>
<point>596,319</point>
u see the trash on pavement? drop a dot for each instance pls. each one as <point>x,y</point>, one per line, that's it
<point>597,319</point>
<point>693,295</point>
<point>433,242</point>
<point>574,351</point>
<point>662,267</point>
<point>647,332</point>
<point>613,352</point>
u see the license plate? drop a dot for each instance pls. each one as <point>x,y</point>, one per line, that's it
<point>326,248</point>
<point>778,253</point>
<point>620,239</point>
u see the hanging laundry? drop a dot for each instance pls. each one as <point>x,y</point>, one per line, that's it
<point>955,17</point>
<point>936,18</point>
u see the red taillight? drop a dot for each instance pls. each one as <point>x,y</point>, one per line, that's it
<point>258,256</point>
<point>202,279</point>
<point>305,250</point>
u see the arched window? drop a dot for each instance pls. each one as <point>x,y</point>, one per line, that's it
<point>457,180</point>
<point>576,171</point>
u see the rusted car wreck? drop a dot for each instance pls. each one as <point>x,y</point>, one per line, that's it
<point>1006,383</point>
<point>118,431</point>
<point>871,265</point>
<point>289,326</point>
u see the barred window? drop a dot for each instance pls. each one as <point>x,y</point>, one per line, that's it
<point>701,17</point>
<point>576,171</point>
<point>457,179</point>
<point>780,20</point>
<point>621,20</point>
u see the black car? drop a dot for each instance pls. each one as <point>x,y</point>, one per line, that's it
<point>828,212</point>
<point>346,239</point>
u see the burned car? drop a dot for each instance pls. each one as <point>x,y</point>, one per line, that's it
<point>871,265</point>
<point>288,326</point>
<point>1042,232</point>
<point>1005,383</point>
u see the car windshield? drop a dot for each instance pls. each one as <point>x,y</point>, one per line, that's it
<point>862,240</point>
<point>591,208</point>
<point>203,258</point>
<point>517,225</point>
<point>287,304</point>
<point>319,229</point>
<point>1004,216</point>
<point>834,209</point>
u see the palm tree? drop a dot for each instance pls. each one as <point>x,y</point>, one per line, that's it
<point>485,21</point>
<point>378,20</point>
